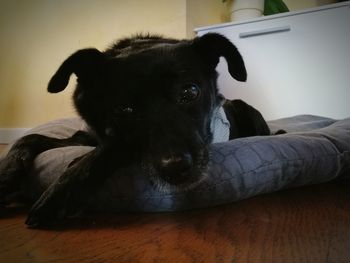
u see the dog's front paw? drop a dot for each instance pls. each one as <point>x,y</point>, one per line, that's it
<point>42,216</point>
<point>11,172</point>
<point>45,213</point>
<point>50,209</point>
<point>54,205</point>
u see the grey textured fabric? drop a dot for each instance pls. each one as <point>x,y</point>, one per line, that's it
<point>315,150</point>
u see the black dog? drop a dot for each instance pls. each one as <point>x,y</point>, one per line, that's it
<point>147,100</point>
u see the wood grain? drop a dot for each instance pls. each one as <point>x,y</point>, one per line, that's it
<point>309,224</point>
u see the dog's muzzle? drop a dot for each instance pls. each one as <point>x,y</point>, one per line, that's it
<point>179,172</point>
<point>176,169</point>
<point>178,166</point>
<point>181,163</point>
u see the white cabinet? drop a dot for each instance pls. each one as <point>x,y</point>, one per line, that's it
<point>297,62</point>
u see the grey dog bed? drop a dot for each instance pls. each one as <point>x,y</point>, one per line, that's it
<point>314,150</point>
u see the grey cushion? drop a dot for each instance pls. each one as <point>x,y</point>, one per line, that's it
<point>314,150</point>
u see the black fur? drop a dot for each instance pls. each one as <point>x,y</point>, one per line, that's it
<point>147,100</point>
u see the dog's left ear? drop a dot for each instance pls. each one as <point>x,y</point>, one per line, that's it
<point>212,46</point>
<point>83,63</point>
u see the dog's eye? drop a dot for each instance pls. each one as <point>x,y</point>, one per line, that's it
<point>128,110</point>
<point>123,110</point>
<point>189,93</point>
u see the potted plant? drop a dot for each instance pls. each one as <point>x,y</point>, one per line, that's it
<point>272,7</point>
<point>247,9</point>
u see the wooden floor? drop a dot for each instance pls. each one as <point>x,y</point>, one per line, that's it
<point>308,224</point>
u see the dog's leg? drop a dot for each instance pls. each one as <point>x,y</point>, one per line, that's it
<point>19,160</point>
<point>69,194</point>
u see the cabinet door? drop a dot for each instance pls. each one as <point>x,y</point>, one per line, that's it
<point>297,64</point>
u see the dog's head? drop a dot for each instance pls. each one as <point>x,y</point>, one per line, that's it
<point>154,99</point>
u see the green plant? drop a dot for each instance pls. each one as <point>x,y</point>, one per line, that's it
<point>274,7</point>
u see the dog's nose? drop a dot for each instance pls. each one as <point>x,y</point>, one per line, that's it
<point>176,169</point>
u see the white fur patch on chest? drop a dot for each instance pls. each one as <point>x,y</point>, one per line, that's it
<point>220,126</point>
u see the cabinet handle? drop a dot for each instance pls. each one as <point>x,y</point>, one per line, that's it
<point>264,31</point>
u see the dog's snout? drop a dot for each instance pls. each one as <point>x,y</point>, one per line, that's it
<point>176,169</point>
<point>180,162</point>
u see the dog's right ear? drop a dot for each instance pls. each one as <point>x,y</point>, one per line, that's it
<point>82,63</point>
<point>212,46</point>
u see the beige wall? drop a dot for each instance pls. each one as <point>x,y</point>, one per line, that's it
<point>202,13</point>
<point>37,35</point>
